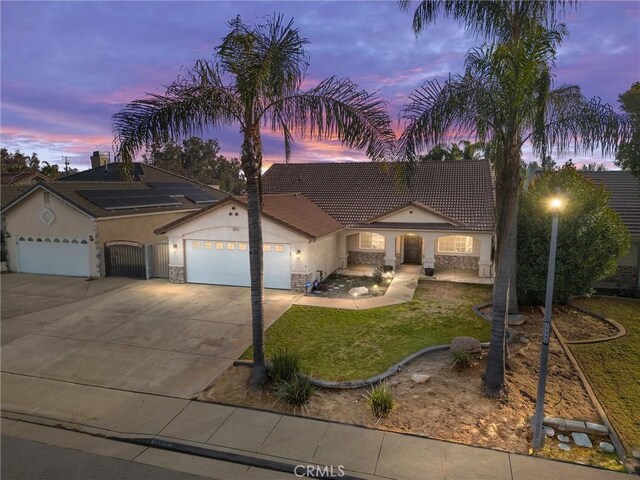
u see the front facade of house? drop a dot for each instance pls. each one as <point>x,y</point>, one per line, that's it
<point>321,217</point>
<point>65,228</point>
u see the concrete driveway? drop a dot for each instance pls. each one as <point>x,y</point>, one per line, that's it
<point>141,336</point>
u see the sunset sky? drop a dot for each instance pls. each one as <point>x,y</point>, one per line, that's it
<point>67,67</point>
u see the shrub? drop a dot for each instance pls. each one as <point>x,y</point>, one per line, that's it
<point>284,366</point>
<point>460,359</point>
<point>380,399</point>
<point>296,391</point>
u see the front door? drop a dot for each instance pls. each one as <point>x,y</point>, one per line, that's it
<point>412,249</point>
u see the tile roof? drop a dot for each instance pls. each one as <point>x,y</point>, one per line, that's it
<point>293,211</point>
<point>625,196</point>
<point>69,192</point>
<point>22,178</point>
<point>9,193</point>
<point>141,172</point>
<point>357,192</point>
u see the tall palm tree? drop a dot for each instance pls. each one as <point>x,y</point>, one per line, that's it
<point>255,81</point>
<point>504,99</point>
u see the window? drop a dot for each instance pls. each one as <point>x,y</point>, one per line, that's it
<point>278,248</point>
<point>231,246</point>
<point>266,247</point>
<point>219,245</point>
<point>196,244</point>
<point>207,245</point>
<point>242,246</point>
<point>455,244</point>
<point>371,241</point>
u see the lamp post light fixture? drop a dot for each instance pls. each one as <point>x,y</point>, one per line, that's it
<point>555,204</point>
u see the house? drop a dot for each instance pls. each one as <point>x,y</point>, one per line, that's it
<point>92,223</point>
<point>324,216</point>
<point>22,178</point>
<point>625,200</point>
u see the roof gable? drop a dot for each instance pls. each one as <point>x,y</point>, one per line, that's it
<point>414,212</point>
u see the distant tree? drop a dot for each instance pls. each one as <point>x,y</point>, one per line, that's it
<point>51,171</point>
<point>199,160</point>
<point>594,167</point>
<point>18,162</point>
<point>548,163</point>
<point>469,151</point>
<point>628,156</point>
<point>591,236</point>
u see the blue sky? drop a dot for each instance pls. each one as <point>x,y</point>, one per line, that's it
<point>67,67</point>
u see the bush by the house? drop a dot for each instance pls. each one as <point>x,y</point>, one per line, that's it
<point>295,391</point>
<point>284,366</point>
<point>380,399</point>
<point>591,237</point>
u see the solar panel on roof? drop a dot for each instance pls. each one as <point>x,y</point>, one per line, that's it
<point>199,197</point>
<point>127,198</point>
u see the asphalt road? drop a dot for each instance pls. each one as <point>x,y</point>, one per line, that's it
<point>27,460</point>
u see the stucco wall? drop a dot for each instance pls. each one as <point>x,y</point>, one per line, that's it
<point>413,215</point>
<point>69,222</point>
<point>322,255</point>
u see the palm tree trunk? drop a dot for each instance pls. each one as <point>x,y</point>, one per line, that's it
<point>507,187</point>
<point>251,156</point>
<point>512,254</point>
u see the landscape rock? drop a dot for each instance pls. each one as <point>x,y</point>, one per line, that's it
<point>358,291</point>
<point>636,453</point>
<point>420,378</point>
<point>524,339</point>
<point>564,438</point>
<point>465,344</point>
<point>564,446</point>
<point>548,431</point>
<point>606,447</point>
<point>515,320</point>
<point>581,439</point>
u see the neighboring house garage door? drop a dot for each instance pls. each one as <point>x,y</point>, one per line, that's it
<point>227,263</point>
<point>57,256</point>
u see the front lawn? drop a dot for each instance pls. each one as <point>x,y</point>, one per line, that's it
<point>355,344</point>
<point>613,368</point>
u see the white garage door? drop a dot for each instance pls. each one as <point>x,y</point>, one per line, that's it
<point>53,256</point>
<point>227,263</point>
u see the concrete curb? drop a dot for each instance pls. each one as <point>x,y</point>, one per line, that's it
<point>622,331</point>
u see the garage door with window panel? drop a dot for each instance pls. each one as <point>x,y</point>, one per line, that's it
<point>57,256</point>
<point>218,262</point>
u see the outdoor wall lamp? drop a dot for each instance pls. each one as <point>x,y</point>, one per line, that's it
<point>91,238</point>
<point>175,247</point>
<point>297,253</point>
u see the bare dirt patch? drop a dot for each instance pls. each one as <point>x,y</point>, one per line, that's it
<point>578,326</point>
<point>451,405</point>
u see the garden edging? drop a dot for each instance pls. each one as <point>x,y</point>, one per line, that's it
<point>622,331</point>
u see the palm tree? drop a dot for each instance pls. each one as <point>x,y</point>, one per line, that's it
<point>469,151</point>
<point>504,99</point>
<point>255,81</point>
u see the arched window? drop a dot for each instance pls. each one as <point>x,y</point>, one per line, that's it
<point>47,240</point>
<point>455,244</point>
<point>74,241</point>
<point>371,241</point>
<point>56,240</point>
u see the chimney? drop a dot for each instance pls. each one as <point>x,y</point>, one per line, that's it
<point>100,159</point>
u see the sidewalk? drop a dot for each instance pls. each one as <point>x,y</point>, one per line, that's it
<point>400,290</point>
<point>363,452</point>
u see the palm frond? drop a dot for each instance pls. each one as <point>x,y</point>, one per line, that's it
<point>196,100</point>
<point>337,108</point>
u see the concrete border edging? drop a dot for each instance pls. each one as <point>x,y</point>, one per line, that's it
<point>615,439</point>
<point>622,331</point>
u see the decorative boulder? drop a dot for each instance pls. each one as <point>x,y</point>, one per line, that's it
<point>420,378</point>
<point>358,291</point>
<point>606,447</point>
<point>465,344</point>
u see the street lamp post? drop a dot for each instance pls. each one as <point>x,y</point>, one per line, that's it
<point>538,419</point>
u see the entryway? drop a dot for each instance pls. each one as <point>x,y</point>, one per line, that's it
<point>412,249</point>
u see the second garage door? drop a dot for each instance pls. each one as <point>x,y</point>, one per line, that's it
<point>227,263</point>
<point>53,257</point>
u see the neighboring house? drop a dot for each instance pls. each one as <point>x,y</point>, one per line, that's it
<point>625,200</point>
<point>22,178</point>
<point>324,216</point>
<point>92,223</point>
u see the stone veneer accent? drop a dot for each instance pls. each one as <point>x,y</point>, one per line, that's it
<point>176,274</point>
<point>457,261</point>
<point>365,258</point>
<point>298,281</point>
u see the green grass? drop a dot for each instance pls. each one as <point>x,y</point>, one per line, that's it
<point>613,368</point>
<point>354,344</point>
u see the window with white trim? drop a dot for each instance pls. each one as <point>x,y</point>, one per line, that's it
<point>455,244</point>
<point>278,248</point>
<point>207,245</point>
<point>242,246</point>
<point>219,245</point>
<point>371,241</point>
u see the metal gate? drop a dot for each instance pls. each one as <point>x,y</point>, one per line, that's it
<point>160,257</point>
<point>125,259</point>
